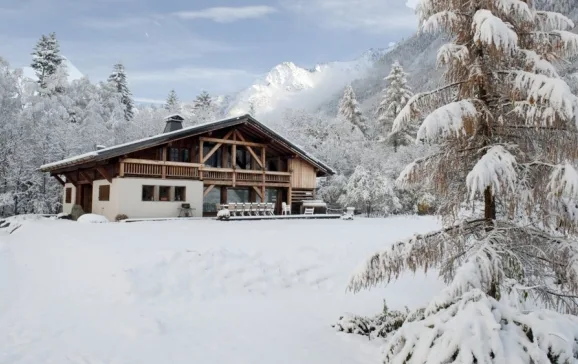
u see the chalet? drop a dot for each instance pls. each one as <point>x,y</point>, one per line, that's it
<point>233,160</point>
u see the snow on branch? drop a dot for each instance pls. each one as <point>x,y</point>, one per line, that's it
<point>548,21</point>
<point>552,92</point>
<point>418,102</point>
<point>475,328</point>
<point>538,64</point>
<point>496,169</point>
<point>452,52</point>
<point>448,120</point>
<point>492,31</point>
<point>564,181</point>
<point>444,20</point>
<point>516,8</point>
<point>568,43</point>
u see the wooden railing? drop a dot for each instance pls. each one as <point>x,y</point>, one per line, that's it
<point>159,169</point>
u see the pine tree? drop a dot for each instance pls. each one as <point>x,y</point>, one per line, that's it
<point>203,109</point>
<point>118,81</point>
<point>203,101</point>
<point>506,128</point>
<point>173,104</point>
<point>350,112</point>
<point>46,58</point>
<point>395,97</point>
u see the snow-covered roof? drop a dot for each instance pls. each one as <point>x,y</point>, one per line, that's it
<point>118,150</point>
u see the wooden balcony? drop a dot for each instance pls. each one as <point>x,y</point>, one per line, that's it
<point>215,176</point>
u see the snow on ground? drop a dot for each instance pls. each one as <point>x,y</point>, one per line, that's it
<point>195,291</point>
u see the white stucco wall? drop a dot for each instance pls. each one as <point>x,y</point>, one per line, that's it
<point>67,207</point>
<point>128,198</point>
<point>109,209</point>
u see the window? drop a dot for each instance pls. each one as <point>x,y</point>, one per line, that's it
<point>68,195</point>
<point>148,193</point>
<point>180,193</point>
<point>104,193</point>
<point>174,154</point>
<point>185,155</point>
<point>164,193</point>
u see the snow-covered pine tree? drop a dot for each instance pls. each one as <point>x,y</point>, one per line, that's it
<point>350,112</point>
<point>118,80</point>
<point>395,97</point>
<point>203,109</point>
<point>507,135</point>
<point>46,58</point>
<point>173,104</point>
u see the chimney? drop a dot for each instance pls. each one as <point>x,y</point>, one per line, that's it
<point>173,122</point>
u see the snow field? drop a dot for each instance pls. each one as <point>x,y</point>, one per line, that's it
<point>197,291</point>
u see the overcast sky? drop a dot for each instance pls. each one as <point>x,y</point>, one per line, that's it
<point>191,45</point>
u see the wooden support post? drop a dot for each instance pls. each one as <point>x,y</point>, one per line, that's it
<point>289,196</point>
<point>234,157</point>
<point>224,195</point>
<point>121,171</point>
<point>164,156</point>
<point>201,149</point>
<point>263,193</point>
<point>103,172</point>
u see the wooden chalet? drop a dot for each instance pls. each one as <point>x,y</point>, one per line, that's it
<point>233,160</point>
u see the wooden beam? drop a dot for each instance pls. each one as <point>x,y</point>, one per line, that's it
<point>201,147</point>
<point>258,192</point>
<point>86,177</point>
<point>103,172</point>
<point>71,180</point>
<point>207,190</point>
<point>251,151</point>
<point>263,158</point>
<point>211,152</point>
<point>57,177</point>
<point>233,142</point>
<point>164,156</point>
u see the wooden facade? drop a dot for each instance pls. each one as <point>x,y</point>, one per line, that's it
<point>233,154</point>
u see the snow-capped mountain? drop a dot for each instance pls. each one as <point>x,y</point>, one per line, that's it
<point>287,84</point>
<point>73,72</point>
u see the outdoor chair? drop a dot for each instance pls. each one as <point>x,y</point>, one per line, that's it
<point>269,210</point>
<point>247,208</point>
<point>309,211</point>
<point>285,209</point>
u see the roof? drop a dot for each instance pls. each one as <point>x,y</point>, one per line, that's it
<point>122,149</point>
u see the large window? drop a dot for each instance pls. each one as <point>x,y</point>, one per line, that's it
<point>104,193</point>
<point>185,155</point>
<point>148,193</point>
<point>68,195</point>
<point>174,154</point>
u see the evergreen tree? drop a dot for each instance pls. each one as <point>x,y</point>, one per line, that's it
<point>395,97</point>
<point>118,81</point>
<point>203,101</point>
<point>350,112</point>
<point>173,104</point>
<point>203,109</point>
<point>506,129</point>
<point>46,58</point>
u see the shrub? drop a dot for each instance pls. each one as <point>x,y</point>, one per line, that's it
<point>120,217</point>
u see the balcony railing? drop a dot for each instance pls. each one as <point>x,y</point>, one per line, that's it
<point>165,169</point>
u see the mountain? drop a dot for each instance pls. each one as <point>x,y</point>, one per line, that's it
<point>288,85</point>
<point>73,72</point>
